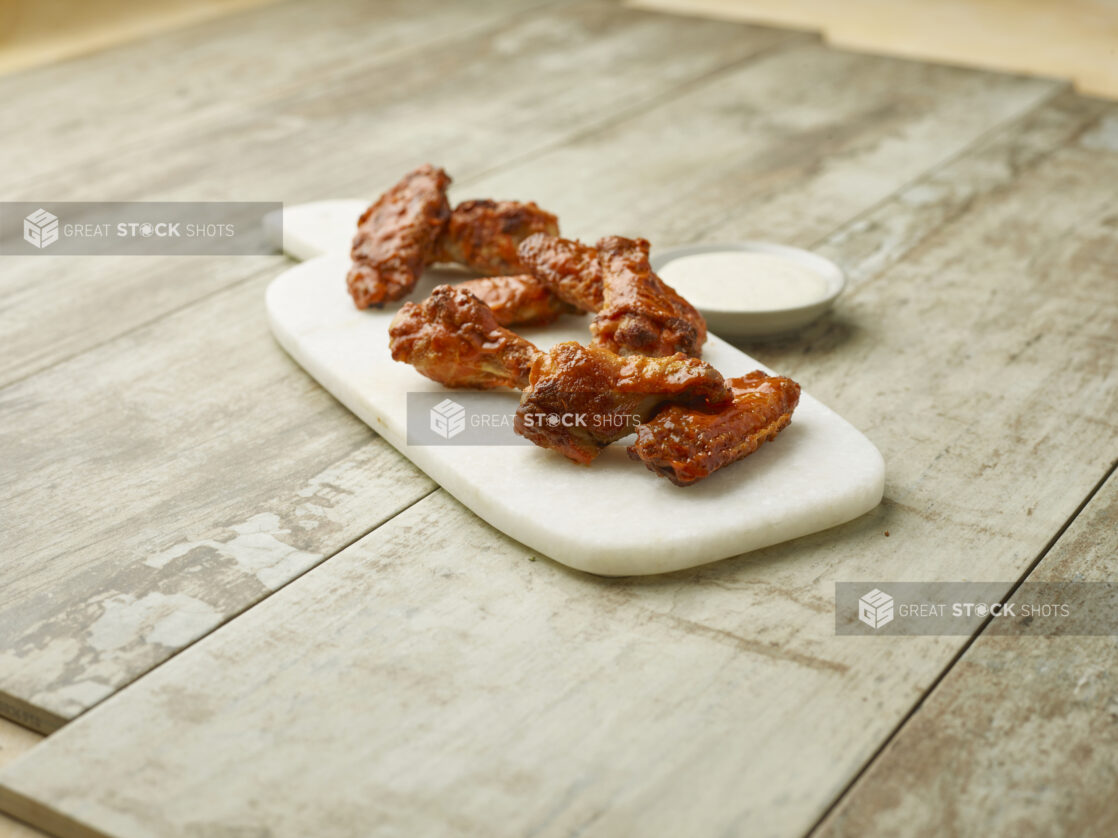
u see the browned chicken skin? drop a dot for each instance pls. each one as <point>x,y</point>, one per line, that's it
<point>483,235</point>
<point>453,338</point>
<point>637,312</point>
<point>396,237</point>
<point>641,372</point>
<point>569,268</point>
<point>684,444</point>
<point>641,313</point>
<point>517,300</point>
<point>580,399</point>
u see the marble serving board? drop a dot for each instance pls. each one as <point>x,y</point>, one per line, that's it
<point>612,518</point>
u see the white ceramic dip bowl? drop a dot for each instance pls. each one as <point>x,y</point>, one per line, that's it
<point>776,309</point>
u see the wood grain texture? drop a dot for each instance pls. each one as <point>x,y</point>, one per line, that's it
<point>433,678</point>
<point>787,148</point>
<point>373,93</point>
<point>1020,736</point>
<point>1069,39</point>
<point>47,31</point>
<point>73,541</point>
<point>162,483</point>
<point>97,110</point>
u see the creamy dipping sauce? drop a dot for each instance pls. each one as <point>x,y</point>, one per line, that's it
<point>744,280</point>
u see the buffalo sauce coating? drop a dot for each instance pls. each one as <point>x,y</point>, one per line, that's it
<point>453,338</point>
<point>641,313</point>
<point>517,300</point>
<point>686,445</point>
<point>607,394</point>
<point>483,235</point>
<point>396,237</point>
<point>569,268</point>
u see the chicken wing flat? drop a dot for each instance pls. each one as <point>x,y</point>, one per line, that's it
<point>640,312</point>
<point>579,399</point>
<point>453,338</point>
<point>484,235</point>
<point>569,268</point>
<point>517,300</point>
<point>684,444</point>
<point>396,237</point>
<point>637,312</point>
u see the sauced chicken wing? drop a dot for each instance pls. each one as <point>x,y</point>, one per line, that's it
<point>569,268</point>
<point>685,444</point>
<point>396,237</point>
<point>517,300</point>
<point>640,312</point>
<point>452,337</point>
<point>483,235</point>
<point>580,399</point>
<point>637,312</point>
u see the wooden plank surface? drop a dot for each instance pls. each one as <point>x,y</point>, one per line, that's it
<point>15,741</point>
<point>433,677</point>
<point>1070,39</point>
<point>1020,736</point>
<point>99,109</point>
<point>145,469</point>
<point>787,148</point>
<point>342,123</point>
<point>159,485</point>
<point>48,31</point>
<point>83,559</point>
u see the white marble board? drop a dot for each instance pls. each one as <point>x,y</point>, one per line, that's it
<point>614,517</point>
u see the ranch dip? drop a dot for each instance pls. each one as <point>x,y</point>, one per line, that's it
<point>742,280</point>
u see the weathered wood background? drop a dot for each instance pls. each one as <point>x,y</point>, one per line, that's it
<point>168,469</point>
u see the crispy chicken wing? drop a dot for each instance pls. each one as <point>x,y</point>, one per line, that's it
<point>640,312</point>
<point>453,338</point>
<point>396,237</point>
<point>483,235</point>
<point>637,312</point>
<point>685,444</point>
<point>580,399</point>
<point>517,300</point>
<point>569,268</point>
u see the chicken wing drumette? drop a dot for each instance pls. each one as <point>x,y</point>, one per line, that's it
<point>483,235</point>
<point>640,312</point>
<point>517,300</point>
<point>637,312</point>
<point>579,399</point>
<point>685,444</point>
<point>396,237</point>
<point>453,338</point>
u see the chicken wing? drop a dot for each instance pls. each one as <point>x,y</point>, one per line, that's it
<point>579,399</point>
<point>517,300</point>
<point>483,235</point>
<point>640,312</point>
<point>569,268</point>
<point>685,444</point>
<point>453,338</point>
<point>396,237</point>
<point>637,312</point>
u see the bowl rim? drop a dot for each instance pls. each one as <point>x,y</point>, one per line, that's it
<point>834,276</point>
